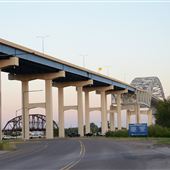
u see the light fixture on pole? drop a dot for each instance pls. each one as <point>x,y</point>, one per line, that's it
<point>107,69</point>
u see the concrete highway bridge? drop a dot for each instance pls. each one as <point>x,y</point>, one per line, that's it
<point>24,65</point>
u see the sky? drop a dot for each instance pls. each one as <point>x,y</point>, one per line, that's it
<point>127,39</point>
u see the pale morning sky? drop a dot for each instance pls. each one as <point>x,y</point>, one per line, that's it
<point>128,39</point>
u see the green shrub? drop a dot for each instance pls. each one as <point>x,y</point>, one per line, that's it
<point>153,131</point>
<point>4,145</point>
<point>118,133</point>
<point>163,113</point>
<point>158,131</point>
<point>55,132</point>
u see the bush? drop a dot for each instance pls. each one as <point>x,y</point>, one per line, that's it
<point>55,132</point>
<point>118,133</point>
<point>153,131</point>
<point>158,131</point>
<point>7,146</point>
<point>163,113</point>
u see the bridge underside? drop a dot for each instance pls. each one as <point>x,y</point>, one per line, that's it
<point>33,62</point>
<point>24,65</point>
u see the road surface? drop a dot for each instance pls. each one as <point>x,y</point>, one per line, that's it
<point>85,153</point>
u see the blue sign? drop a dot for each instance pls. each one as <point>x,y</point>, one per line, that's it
<point>138,129</point>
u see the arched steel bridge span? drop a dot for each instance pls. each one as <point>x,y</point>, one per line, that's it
<point>151,85</point>
<point>37,122</point>
<point>149,92</point>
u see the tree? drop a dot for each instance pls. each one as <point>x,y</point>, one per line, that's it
<point>163,113</point>
<point>94,128</point>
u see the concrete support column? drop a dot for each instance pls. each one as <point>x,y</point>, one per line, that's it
<point>49,113</point>
<point>80,110</point>
<point>87,113</point>
<point>61,111</point>
<point>112,126</point>
<point>149,117</point>
<point>103,112</point>
<point>25,110</point>
<point>127,119</point>
<point>106,113</point>
<point>119,119</point>
<point>0,109</point>
<point>137,110</point>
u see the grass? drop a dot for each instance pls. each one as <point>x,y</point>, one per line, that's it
<point>8,146</point>
<point>154,140</point>
<point>131,138</point>
<point>162,141</point>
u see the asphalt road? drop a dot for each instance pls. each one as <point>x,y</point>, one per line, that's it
<point>85,153</point>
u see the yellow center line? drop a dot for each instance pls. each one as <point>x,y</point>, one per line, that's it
<point>65,167</point>
<point>74,163</point>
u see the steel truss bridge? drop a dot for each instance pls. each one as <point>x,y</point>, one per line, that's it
<point>37,122</point>
<point>149,92</point>
<point>152,86</point>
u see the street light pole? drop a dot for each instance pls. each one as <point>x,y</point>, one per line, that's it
<point>42,41</point>
<point>16,124</point>
<point>0,110</point>
<point>16,121</point>
<point>84,60</point>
